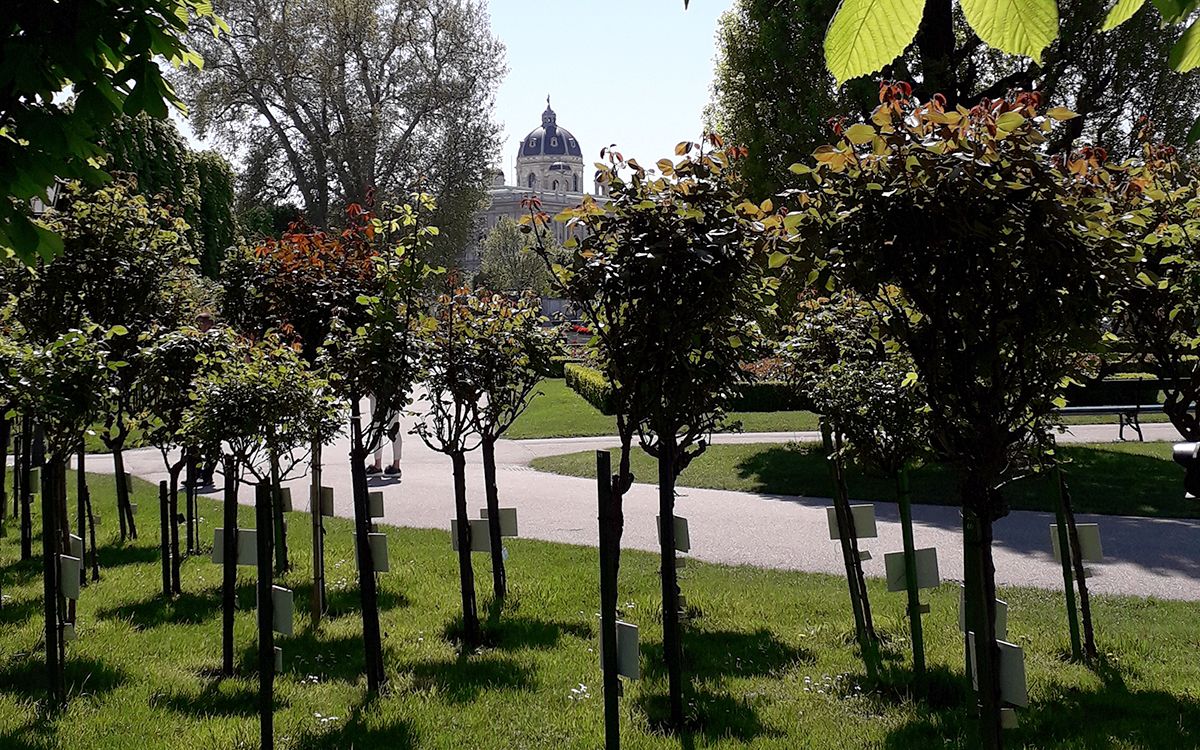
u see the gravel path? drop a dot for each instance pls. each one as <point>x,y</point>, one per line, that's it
<point>1144,556</point>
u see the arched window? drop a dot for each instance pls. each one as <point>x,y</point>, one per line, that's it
<point>531,179</point>
<point>576,188</point>
<point>555,185</point>
<point>554,141</point>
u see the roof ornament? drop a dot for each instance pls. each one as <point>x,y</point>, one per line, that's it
<point>549,119</point>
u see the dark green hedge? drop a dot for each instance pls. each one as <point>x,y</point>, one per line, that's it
<point>557,364</point>
<point>766,396</point>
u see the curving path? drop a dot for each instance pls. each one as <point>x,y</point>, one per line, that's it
<point>1145,556</point>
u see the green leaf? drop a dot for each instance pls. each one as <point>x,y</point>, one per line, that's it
<point>1172,10</point>
<point>860,133</point>
<point>1185,55</point>
<point>777,259</point>
<point>866,35</point>
<point>1018,27</point>
<point>1010,121</point>
<point>1193,135</point>
<point>1120,12</point>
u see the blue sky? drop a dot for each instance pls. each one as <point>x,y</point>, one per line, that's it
<point>631,72</point>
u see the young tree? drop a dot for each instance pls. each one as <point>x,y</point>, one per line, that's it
<point>683,252</point>
<point>63,382</point>
<point>296,286</point>
<point>863,386</point>
<point>452,391</point>
<point>379,358</point>
<point>264,406</point>
<point>121,250</point>
<point>990,267</point>
<point>511,353</point>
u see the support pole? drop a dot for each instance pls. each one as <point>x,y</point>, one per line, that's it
<point>608,603</point>
<point>904,499</point>
<point>1064,548</point>
<point>263,501</point>
<point>51,587</point>
<point>318,537</point>
<point>164,526</point>
<point>229,568</point>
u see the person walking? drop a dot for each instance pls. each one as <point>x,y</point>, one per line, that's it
<point>393,469</point>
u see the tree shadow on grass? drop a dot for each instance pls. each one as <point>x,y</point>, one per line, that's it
<point>358,730</point>
<point>17,613</point>
<point>21,572</point>
<point>726,653</point>
<point>712,715</point>
<point>187,608</point>
<point>37,734</point>
<point>25,676</point>
<point>515,632</point>
<point>461,680</point>
<point>347,601</point>
<point>218,698</point>
<point>120,555</point>
<point>310,653</point>
<point>1112,715</point>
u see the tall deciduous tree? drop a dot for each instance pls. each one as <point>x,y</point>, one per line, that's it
<point>357,96</point>
<point>991,267</point>
<point>770,94</point>
<point>509,263</point>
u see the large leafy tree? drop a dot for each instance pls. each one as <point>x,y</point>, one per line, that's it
<point>991,267</point>
<point>770,94</point>
<point>356,97</point>
<point>104,53</point>
<point>509,263</point>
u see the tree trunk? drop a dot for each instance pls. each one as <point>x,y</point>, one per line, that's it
<point>173,504</point>
<point>318,537</point>
<point>977,537</point>
<point>1085,603</point>
<point>1066,551</point>
<point>280,522</point>
<point>367,586</point>
<point>848,542</point>
<point>672,647</point>
<point>124,505</point>
<point>904,500</point>
<point>189,502</point>
<point>5,439</point>
<point>610,550</point>
<point>263,502</point>
<point>499,578</point>
<point>81,512</point>
<point>52,480</point>
<point>164,524</point>
<point>229,568</point>
<point>466,571</point>
<point>26,489</point>
<point>91,524</point>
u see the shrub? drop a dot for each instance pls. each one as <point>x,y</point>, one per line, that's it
<point>770,395</point>
<point>558,365</point>
<point>591,384</point>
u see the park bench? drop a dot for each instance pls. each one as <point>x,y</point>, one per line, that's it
<point>1128,415</point>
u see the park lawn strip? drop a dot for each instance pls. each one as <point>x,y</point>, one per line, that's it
<point>1130,479</point>
<point>768,653</point>
<point>560,412</point>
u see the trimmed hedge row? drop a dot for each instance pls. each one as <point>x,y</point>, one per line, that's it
<point>557,365</point>
<point>767,396</point>
<point>591,384</point>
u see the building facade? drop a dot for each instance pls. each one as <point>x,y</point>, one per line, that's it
<point>549,165</point>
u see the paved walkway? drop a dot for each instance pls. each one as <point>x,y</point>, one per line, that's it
<point>1146,557</point>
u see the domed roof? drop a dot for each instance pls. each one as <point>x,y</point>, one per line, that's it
<point>550,139</point>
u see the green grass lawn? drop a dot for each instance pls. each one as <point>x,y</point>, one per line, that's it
<point>1133,479</point>
<point>561,412</point>
<point>768,653</point>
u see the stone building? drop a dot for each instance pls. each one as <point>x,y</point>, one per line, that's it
<point>549,165</point>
